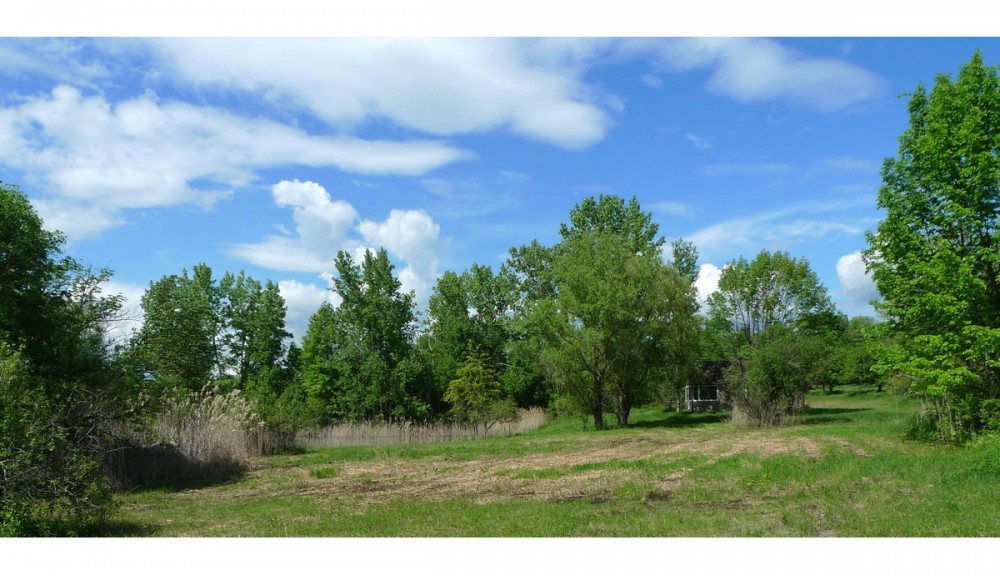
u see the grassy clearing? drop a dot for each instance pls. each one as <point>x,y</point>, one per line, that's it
<point>843,469</point>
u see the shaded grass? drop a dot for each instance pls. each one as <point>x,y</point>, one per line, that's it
<point>842,469</point>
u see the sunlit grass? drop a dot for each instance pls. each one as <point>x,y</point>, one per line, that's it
<point>841,469</point>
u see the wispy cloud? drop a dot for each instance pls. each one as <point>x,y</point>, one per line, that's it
<point>845,165</point>
<point>842,165</point>
<point>470,197</point>
<point>698,142</point>
<point>593,188</point>
<point>673,208</point>
<point>779,229</point>
<point>757,70</point>
<point>531,88</point>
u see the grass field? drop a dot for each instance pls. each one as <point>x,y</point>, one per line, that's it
<point>843,469</point>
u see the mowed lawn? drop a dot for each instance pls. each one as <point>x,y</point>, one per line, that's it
<point>843,469</point>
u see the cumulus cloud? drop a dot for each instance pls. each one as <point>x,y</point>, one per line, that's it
<point>96,157</point>
<point>414,237</point>
<point>857,285</point>
<point>302,300</point>
<point>757,69</point>
<point>324,226</point>
<point>531,88</point>
<point>707,282</point>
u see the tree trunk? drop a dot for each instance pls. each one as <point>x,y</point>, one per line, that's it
<point>598,408</point>
<point>624,407</point>
<point>598,416</point>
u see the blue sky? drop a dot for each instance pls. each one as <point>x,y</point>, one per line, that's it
<point>269,155</point>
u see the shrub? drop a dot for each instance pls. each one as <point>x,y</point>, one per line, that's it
<point>774,380</point>
<point>50,467</point>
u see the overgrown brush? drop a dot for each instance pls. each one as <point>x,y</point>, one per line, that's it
<point>365,433</point>
<point>192,436</point>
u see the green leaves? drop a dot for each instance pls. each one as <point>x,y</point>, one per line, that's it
<point>773,289</point>
<point>358,359</point>
<point>475,393</point>
<point>936,256</point>
<point>619,319</point>
<point>777,321</point>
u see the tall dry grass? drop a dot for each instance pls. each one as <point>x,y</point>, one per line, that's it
<point>211,427</point>
<point>205,433</point>
<point>406,432</point>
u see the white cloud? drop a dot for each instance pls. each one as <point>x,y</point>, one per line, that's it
<point>757,69</point>
<point>57,58</point>
<point>778,229</point>
<point>132,317</point>
<point>698,142</point>
<point>302,300</point>
<point>322,226</point>
<point>672,208</point>
<point>437,86</point>
<point>470,197</point>
<point>707,282</point>
<point>857,285</point>
<point>325,226</point>
<point>652,80</point>
<point>412,236</point>
<point>848,164</point>
<point>96,157</point>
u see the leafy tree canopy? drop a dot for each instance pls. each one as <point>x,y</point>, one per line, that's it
<point>935,257</point>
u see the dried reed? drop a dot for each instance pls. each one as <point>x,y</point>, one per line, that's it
<point>211,427</point>
<point>364,433</point>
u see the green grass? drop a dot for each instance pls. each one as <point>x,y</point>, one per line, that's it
<point>843,468</point>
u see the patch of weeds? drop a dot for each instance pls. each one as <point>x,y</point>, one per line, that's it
<point>979,462</point>
<point>614,464</point>
<point>535,473</point>
<point>324,472</point>
<point>365,478</point>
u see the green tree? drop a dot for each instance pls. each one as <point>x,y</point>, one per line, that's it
<point>776,375</point>
<point>854,358</point>
<point>179,343</point>
<point>611,215</point>
<point>475,393</point>
<point>619,320</point>
<point>474,308</point>
<point>773,289</point>
<point>359,358</point>
<point>57,388</point>
<point>685,258</point>
<point>772,297</point>
<point>935,257</point>
<point>253,332</point>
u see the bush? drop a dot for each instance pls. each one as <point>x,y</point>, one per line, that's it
<point>775,379</point>
<point>50,467</point>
